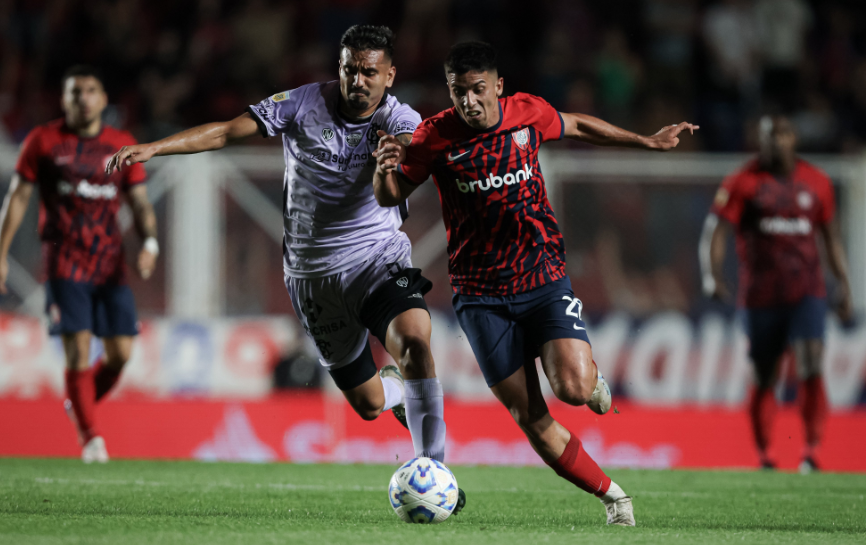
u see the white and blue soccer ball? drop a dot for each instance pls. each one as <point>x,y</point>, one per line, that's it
<point>423,491</point>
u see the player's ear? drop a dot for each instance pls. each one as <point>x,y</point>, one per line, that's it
<point>499,87</point>
<point>392,73</point>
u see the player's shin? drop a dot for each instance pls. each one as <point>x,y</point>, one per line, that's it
<point>813,408</point>
<point>762,411</point>
<point>104,379</point>
<point>578,468</point>
<point>425,414</point>
<point>80,391</point>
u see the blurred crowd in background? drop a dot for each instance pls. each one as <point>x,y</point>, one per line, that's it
<point>639,63</point>
<point>170,64</point>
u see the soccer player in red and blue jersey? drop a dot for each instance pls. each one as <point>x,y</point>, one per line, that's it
<point>82,243</point>
<point>506,253</point>
<point>776,204</point>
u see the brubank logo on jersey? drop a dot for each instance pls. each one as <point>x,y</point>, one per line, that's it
<point>86,190</point>
<point>495,182</point>
<point>778,225</point>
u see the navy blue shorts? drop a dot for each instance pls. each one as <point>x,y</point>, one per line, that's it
<point>504,332</point>
<point>770,330</point>
<point>106,310</point>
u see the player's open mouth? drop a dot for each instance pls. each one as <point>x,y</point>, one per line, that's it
<point>473,114</point>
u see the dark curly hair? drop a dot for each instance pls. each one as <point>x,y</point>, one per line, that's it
<point>369,37</point>
<point>470,57</point>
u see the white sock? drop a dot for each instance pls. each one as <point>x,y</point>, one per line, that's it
<point>393,393</point>
<point>613,493</point>
<point>425,414</point>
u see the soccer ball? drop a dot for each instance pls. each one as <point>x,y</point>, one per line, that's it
<point>423,491</point>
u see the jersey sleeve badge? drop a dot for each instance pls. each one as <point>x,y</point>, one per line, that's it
<point>404,127</point>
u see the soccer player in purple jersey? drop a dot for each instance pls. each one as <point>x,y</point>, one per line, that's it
<point>506,254</point>
<point>347,265</point>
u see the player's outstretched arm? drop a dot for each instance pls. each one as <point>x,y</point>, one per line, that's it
<point>11,214</point>
<point>388,186</point>
<point>208,137</point>
<point>711,253</point>
<point>839,265</point>
<point>145,224</point>
<point>593,130</point>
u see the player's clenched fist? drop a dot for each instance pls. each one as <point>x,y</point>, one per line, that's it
<point>390,153</point>
<point>127,155</point>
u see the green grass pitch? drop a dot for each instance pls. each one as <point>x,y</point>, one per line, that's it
<point>138,502</point>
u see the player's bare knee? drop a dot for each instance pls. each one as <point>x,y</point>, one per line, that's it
<point>116,362</point>
<point>764,379</point>
<point>368,415</point>
<point>415,359</point>
<point>78,363</point>
<point>573,389</point>
<point>808,356</point>
<point>77,360</point>
<point>366,410</point>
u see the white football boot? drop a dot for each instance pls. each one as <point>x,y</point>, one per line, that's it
<point>620,512</point>
<point>601,399</point>
<point>94,451</point>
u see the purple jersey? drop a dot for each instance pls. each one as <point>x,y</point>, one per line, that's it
<point>330,216</point>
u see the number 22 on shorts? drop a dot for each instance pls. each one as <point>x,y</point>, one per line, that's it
<point>575,302</point>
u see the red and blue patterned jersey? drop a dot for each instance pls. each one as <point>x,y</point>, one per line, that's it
<point>775,221</point>
<point>503,238</point>
<point>78,225</point>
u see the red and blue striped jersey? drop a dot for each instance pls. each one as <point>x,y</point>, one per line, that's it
<point>78,201</point>
<point>776,220</point>
<point>503,238</point>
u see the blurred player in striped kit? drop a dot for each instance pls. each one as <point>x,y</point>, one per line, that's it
<point>86,287</point>
<point>776,205</point>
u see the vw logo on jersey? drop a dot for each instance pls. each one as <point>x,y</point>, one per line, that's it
<point>804,199</point>
<point>327,133</point>
<point>521,138</point>
<point>353,139</point>
<point>403,282</point>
